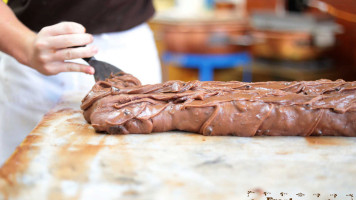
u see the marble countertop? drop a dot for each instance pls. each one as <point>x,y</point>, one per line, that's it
<point>64,158</point>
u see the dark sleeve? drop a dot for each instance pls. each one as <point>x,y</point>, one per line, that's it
<point>97,16</point>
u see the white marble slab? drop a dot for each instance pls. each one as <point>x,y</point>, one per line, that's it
<point>63,158</point>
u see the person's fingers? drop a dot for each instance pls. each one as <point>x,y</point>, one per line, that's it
<point>75,67</point>
<point>62,29</point>
<point>74,53</point>
<point>58,67</point>
<point>51,49</point>
<point>65,41</point>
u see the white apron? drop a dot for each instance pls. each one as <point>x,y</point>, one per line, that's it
<point>26,95</point>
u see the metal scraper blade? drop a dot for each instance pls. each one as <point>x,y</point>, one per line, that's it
<point>103,70</point>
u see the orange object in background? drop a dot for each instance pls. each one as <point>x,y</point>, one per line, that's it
<point>253,5</point>
<point>194,37</point>
<point>224,5</point>
<point>285,46</point>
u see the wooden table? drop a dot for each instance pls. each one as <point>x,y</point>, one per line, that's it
<point>63,158</point>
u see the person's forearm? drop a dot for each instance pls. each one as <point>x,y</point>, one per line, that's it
<point>15,38</point>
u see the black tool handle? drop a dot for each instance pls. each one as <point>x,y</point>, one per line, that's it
<point>89,59</point>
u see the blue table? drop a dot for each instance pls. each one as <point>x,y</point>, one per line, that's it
<point>206,63</point>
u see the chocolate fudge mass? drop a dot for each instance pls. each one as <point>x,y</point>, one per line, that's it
<point>121,105</point>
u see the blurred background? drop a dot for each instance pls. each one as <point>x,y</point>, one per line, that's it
<point>256,40</point>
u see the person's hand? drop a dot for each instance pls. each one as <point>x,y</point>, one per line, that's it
<point>52,46</point>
